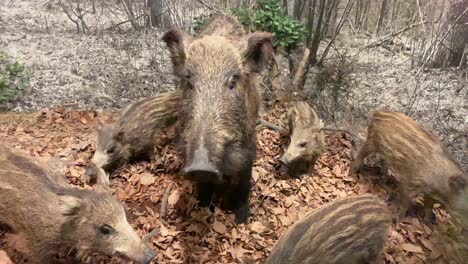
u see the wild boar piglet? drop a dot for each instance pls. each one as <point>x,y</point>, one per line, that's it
<point>57,218</point>
<point>422,165</point>
<point>351,230</point>
<point>134,135</point>
<point>306,140</point>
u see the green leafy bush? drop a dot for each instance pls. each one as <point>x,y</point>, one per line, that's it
<point>267,15</point>
<point>270,16</point>
<point>13,78</point>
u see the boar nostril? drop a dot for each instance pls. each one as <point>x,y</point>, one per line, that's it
<point>201,168</point>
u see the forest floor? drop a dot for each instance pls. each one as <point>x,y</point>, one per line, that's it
<point>107,70</point>
<point>194,235</point>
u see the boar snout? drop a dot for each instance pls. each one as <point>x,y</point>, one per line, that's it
<point>285,158</point>
<point>201,169</point>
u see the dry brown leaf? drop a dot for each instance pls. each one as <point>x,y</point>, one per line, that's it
<point>257,227</point>
<point>147,179</point>
<point>237,252</point>
<point>219,227</point>
<point>412,248</point>
<point>4,259</point>
<point>173,197</point>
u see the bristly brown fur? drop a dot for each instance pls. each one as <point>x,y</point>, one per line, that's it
<point>136,132</point>
<point>54,217</point>
<point>351,230</point>
<point>306,139</point>
<point>422,164</point>
<point>220,95</point>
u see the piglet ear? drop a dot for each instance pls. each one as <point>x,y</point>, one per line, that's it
<point>69,205</point>
<point>259,50</point>
<point>174,39</point>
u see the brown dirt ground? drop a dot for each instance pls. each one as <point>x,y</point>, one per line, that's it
<point>194,235</point>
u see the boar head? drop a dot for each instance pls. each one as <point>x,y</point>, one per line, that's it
<point>220,100</point>
<point>97,222</point>
<point>306,136</point>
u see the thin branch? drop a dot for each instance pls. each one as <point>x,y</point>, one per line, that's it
<point>162,211</point>
<point>390,36</point>
<point>264,123</point>
<point>440,42</point>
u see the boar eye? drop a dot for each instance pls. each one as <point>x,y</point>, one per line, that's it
<point>233,81</point>
<point>106,229</point>
<point>111,150</point>
<point>302,144</point>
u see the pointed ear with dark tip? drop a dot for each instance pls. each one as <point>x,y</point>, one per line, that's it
<point>174,39</point>
<point>457,183</point>
<point>259,50</point>
<point>69,205</point>
<point>119,136</point>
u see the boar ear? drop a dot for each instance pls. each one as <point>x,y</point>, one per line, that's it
<point>259,50</point>
<point>175,42</point>
<point>69,205</point>
<point>457,183</point>
<point>119,136</point>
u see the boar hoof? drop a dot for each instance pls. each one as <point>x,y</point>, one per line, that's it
<point>242,214</point>
<point>430,218</point>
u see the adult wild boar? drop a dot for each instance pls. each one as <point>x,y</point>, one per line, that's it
<point>220,104</point>
<point>55,218</point>
<point>422,165</point>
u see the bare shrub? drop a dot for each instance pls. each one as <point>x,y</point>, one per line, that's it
<point>331,86</point>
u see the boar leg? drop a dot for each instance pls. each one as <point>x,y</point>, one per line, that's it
<point>240,198</point>
<point>429,216</point>
<point>205,193</point>
<point>363,153</point>
<point>405,202</point>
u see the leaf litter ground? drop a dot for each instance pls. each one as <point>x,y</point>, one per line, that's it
<point>189,234</point>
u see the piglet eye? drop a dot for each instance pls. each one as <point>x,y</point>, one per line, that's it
<point>303,144</point>
<point>106,229</point>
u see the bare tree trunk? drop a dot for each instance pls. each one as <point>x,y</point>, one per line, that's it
<point>155,13</point>
<point>395,11</point>
<point>314,45</point>
<point>383,11</point>
<point>298,8</point>
<point>285,5</point>
<point>310,21</point>
<point>358,15</point>
<point>328,14</point>
<point>366,15</point>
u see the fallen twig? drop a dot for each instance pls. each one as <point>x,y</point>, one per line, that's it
<point>147,237</point>
<point>162,212</point>
<point>264,123</point>
<point>391,35</point>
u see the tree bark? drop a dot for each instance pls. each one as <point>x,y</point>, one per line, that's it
<point>383,11</point>
<point>314,45</point>
<point>155,13</point>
